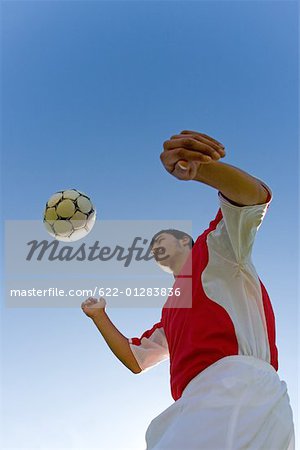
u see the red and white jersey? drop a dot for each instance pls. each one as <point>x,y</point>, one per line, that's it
<point>230,312</point>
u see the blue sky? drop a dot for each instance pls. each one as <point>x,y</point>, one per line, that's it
<point>90,90</point>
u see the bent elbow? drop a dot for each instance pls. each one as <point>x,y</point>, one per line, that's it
<point>136,369</point>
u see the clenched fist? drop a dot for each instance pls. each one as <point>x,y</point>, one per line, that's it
<point>184,153</point>
<point>93,308</point>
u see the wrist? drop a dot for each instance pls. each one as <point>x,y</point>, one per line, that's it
<point>101,314</point>
<point>205,171</point>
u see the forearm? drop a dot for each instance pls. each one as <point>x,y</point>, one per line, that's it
<point>233,183</point>
<point>118,343</point>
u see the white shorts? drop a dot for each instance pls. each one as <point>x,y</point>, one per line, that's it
<point>237,403</point>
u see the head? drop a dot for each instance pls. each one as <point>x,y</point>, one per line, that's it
<point>171,249</point>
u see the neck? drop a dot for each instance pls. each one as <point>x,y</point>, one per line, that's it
<point>177,266</point>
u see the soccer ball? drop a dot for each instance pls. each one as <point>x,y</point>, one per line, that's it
<point>69,215</point>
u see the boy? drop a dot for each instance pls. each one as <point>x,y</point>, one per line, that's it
<point>220,336</point>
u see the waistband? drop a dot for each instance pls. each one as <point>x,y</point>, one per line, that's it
<point>229,362</point>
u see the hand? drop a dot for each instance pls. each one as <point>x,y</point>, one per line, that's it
<point>184,153</point>
<point>93,308</point>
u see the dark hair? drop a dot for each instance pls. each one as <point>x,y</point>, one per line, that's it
<point>176,233</point>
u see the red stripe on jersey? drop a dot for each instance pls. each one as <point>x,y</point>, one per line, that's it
<point>270,320</point>
<point>147,334</point>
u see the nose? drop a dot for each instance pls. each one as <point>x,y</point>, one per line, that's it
<point>154,250</point>
<point>155,245</point>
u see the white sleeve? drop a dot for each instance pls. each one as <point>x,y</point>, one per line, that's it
<point>151,348</point>
<point>242,223</point>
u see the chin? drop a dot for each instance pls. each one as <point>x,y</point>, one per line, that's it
<point>165,268</point>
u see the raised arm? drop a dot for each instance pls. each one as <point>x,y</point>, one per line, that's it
<point>195,156</point>
<point>119,344</point>
<point>233,183</point>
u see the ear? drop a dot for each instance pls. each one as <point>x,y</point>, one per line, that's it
<point>185,240</point>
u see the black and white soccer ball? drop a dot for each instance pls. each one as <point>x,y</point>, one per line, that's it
<point>69,215</point>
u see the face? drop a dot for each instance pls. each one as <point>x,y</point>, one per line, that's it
<point>166,249</point>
